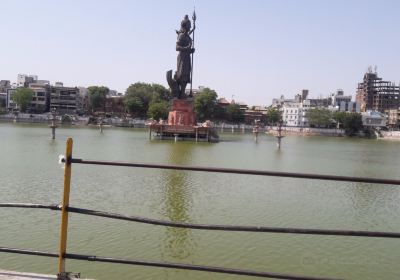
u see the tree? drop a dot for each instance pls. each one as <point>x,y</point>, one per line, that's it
<point>352,123</point>
<point>319,117</point>
<point>133,104</point>
<point>158,110</point>
<point>234,114</point>
<point>219,113</point>
<point>97,97</point>
<point>162,92</point>
<point>205,103</point>
<point>138,97</point>
<point>22,96</point>
<point>273,116</point>
<point>339,117</point>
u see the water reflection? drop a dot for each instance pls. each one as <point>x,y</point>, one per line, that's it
<point>177,200</point>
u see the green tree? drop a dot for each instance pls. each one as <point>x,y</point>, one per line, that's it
<point>138,97</point>
<point>133,104</point>
<point>205,103</point>
<point>219,113</point>
<point>234,114</point>
<point>273,116</point>
<point>352,123</point>
<point>319,117</point>
<point>158,110</point>
<point>97,97</point>
<point>162,92</point>
<point>22,96</point>
<point>339,117</point>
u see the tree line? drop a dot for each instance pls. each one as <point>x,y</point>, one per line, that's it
<point>143,100</point>
<point>351,122</point>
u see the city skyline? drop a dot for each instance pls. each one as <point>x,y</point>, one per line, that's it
<point>255,50</point>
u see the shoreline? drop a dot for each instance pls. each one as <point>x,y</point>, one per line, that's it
<point>269,130</point>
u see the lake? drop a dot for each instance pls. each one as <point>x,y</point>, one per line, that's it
<point>30,173</point>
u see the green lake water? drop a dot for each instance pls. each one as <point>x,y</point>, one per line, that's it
<point>29,172</point>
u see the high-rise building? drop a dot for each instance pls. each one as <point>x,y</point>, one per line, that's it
<point>377,95</point>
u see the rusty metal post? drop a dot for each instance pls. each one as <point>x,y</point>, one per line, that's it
<point>65,203</point>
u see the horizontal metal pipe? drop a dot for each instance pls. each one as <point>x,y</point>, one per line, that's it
<point>242,171</point>
<point>196,268</point>
<point>235,228</point>
<point>30,205</point>
<point>28,252</point>
<point>138,219</point>
<point>204,268</point>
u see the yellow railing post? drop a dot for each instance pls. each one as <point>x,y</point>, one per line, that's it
<point>65,203</point>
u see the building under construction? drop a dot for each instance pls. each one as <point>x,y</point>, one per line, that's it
<point>377,95</point>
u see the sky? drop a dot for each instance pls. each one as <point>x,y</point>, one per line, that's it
<point>251,50</point>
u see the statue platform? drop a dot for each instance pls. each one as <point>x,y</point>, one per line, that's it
<point>182,113</point>
<point>182,124</point>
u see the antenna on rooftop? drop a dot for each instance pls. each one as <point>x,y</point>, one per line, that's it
<point>376,69</point>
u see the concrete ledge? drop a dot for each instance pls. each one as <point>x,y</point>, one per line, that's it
<point>13,275</point>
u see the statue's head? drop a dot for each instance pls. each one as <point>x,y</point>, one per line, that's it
<point>186,25</point>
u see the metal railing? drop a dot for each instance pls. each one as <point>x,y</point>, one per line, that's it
<point>65,209</point>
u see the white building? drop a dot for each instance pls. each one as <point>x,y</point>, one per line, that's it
<point>23,80</point>
<point>293,114</point>
<point>373,119</point>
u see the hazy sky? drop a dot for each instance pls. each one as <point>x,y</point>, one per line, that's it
<point>254,50</point>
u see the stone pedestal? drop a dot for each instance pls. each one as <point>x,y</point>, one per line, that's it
<point>182,113</point>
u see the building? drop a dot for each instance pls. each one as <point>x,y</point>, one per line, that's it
<point>338,98</point>
<point>255,113</point>
<point>64,99</point>
<point>24,80</point>
<point>11,105</point>
<point>373,119</point>
<point>294,113</point>
<point>3,100</point>
<point>115,105</point>
<point>279,102</point>
<point>343,103</point>
<point>222,102</point>
<point>393,119</point>
<point>112,93</point>
<point>41,98</point>
<point>294,110</point>
<point>377,95</point>
<point>243,106</point>
<point>4,85</point>
<point>194,90</point>
<point>82,101</point>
